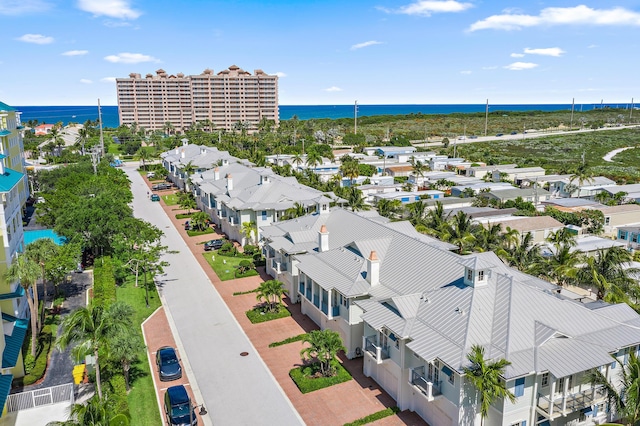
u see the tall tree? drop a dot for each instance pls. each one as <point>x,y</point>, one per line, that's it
<point>323,348</point>
<point>606,273</point>
<point>92,328</point>
<point>355,201</point>
<point>460,231</point>
<point>271,292</point>
<point>389,208</point>
<point>124,349</point>
<point>486,377</point>
<point>250,231</point>
<point>42,251</point>
<point>26,271</point>
<point>626,396</point>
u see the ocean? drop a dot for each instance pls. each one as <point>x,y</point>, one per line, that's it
<point>80,114</point>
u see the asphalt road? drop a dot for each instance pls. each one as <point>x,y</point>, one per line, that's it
<point>235,390</point>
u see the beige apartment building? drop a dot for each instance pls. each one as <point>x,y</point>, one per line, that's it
<point>218,101</point>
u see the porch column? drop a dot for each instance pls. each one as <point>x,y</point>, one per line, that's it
<point>552,394</point>
<point>329,306</point>
<point>564,394</point>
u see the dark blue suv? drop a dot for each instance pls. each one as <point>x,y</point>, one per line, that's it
<point>168,364</point>
<point>178,408</point>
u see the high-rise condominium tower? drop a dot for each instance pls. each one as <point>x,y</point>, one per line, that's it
<point>226,100</point>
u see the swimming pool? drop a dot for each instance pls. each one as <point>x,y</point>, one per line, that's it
<point>31,236</point>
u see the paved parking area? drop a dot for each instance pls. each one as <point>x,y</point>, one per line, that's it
<point>335,405</point>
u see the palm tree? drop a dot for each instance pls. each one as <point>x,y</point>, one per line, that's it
<point>313,159</point>
<point>419,168</point>
<point>436,218</point>
<point>250,231</point>
<point>561,267</point>
<point>350,169</point>
<point>187,171</point>
<point>523,254</point>
<point>199,221</point>
<point>298,210</point>
<point>92,329</point>
<point>124,349</point>
<point>143,155</point>
<point>489,238</point>
<point>605,273</point>
<point>26,271</point>
<point>355,201</point>
<point>389,208</point>
<point>416,212</point>
<point>83,137</point>
<point>42,251</point>
<point>323,349</point>
<point>271,292</point>
<point>625,397</point>
<point>459,232</point>
<point>297,160</point>
<point>486,377</point>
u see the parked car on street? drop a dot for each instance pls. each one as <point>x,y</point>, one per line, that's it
<point>168,364</point>
<point>213,244</point>
<point>178,407</point>
<point>187,226</point>
<point>500,134</point>
<point>155,197</point>
<point>161,186</point>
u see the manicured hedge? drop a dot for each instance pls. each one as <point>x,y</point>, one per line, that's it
<point>375,416</point>
<point>288,340</point>
<point>260,314</point>
<point>118,396</point>
<point>303,377</point>
<point>45,341</point>
<point>104,282</point>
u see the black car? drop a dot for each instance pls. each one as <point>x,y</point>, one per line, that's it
<point>168,364</point>
<point>514,133</point>
<point>161,186</point>
<point>178,408</point>
<point>500,134</point>
<point>213,245</point>
<point>187,226</point>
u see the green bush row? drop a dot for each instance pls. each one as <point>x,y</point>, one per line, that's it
<point>35,368</point>
<point>104,282</point>
<point>375,416</point>
<point>118,395</point>
<point>259,314</point>
<point>304,377</point>
<point>288,340</point>
<point>184,215</point>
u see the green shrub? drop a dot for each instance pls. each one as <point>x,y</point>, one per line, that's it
<point>29,363</point>
<point>118,395</point>
<point>228,249</point>
<point>240,293</point>
<point>204,232</point>
<point>250,250</point>
<point>260,314</point>
<point>375,416</point>
<point>288,340</point>
<point>304,377</point>
<point>184,215</point>
<point>37,367</point>
<point>104,282</point>
<point>119,420</point>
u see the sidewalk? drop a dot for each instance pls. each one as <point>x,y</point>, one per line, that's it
<point>335,405</point>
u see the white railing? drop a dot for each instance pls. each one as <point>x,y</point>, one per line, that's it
<point>39,397</point>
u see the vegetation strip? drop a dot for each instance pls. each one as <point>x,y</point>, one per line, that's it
<point>240,293</point>
<point>288,340</point>
<point>375,416</point>
<point>305,377</point>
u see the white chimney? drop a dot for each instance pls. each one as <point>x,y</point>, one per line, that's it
<point>264,179</point>
<point>182,153</point>
<point>373,269</point>
<point>216,173</point>
<point>229,182</point>
<point>323,239</point>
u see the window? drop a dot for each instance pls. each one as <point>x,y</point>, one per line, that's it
<point>451,378</point>
<point>469,275</point>
<point>613,365</point>
<point>480,275</point>
<point>521,423</point>
<point>607,220</point>
<point>544,380</point>
<point>264,215</point>
<point>519,388</point>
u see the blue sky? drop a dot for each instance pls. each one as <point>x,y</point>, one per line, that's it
<point>328,52</point>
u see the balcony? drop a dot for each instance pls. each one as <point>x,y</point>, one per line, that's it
<point>563,405</point>
<point>427,387</point>
<point>378,352</point>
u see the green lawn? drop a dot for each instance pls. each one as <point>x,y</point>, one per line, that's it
<point>142,397</point>
<point>303,377</point>
<point>225,271</point>
<point>170,199</point>
<point>260,314</point>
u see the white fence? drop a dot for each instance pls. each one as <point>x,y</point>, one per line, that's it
<point>39,397</point>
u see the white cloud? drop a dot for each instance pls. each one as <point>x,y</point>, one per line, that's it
<point>85,81</point>
<point>36,38</point>
<point>517,55</point>
<point>108,80</point>
<point>365,44</point>
<point>280,74</point>
<point>428,7</point>
<point>22,7</point>
<point>130,58</point>
<point>75,53</point>
<point>466,72</point>
<point>592,46</point>
<point>519,66</point>
<point>333,89</point>
<point>120,9</point>
<point>549,51</point>
<point>490,68</point>
<point>578,15</point>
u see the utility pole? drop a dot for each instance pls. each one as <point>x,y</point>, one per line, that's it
<point>631,111</point>
<point>101,134</point>
<point>486,118</point>
<point>573,102</point>
<point>355,118</point>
